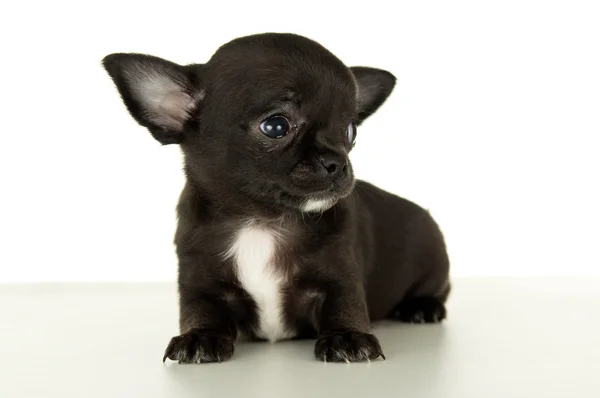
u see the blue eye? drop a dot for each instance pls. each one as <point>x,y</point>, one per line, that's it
<point>275,127</point>
<point>351,133</point>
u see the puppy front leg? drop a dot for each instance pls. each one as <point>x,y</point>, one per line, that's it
<point>207,332</point>
<point>343,327</point>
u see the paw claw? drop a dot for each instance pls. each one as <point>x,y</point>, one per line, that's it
<point>198,346</point>
<point>348,347</point>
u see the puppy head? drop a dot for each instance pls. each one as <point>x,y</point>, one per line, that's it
<point>270,118</point>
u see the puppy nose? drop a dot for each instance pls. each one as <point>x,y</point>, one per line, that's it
<point>334,165</point>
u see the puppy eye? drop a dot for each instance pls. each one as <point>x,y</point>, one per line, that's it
<point>275,127</point>
<point>351,133</point>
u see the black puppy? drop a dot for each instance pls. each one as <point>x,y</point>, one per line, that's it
<point>275,238</point>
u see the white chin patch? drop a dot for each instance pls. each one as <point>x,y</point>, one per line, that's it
<point>317,205</point>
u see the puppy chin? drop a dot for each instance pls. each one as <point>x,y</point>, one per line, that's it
<point>317,205</point>
<point>320,203</point>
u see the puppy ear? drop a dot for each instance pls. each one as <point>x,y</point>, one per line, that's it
<point>159,94</point>
<point>374,86</point>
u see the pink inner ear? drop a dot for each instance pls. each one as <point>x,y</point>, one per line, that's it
<point>175,108</point>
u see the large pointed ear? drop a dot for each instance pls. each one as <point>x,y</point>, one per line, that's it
<point>374,86</point>
<point>159,94</point>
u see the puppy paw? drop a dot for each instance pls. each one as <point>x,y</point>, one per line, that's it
<point>348,347</point>
<point>198,346</point>
<point>420,310</point>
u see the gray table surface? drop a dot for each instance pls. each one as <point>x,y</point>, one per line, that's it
<point>504,338</point>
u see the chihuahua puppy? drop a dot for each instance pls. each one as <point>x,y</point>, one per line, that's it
<point>275,237</point>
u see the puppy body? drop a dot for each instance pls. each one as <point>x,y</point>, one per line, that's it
<point>275,238</point>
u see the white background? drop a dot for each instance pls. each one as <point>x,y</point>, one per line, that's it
<point>494,126</point>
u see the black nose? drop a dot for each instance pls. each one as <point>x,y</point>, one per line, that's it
<point>333,164</point>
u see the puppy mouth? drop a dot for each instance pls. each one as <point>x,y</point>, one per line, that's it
<point>315,195</point>
<point>321,201</point>
<point>318,205</point>
<point>316,201</point>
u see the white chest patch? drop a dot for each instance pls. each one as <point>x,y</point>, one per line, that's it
<point>253,251</point>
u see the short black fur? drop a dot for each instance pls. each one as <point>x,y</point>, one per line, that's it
<point>353,253</point>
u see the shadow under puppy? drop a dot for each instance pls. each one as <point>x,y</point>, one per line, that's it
<point>275,238</point>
